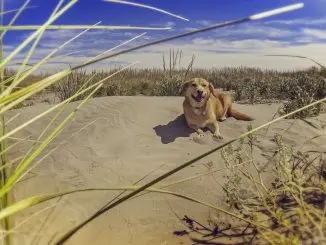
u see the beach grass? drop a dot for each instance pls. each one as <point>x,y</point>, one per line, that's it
<point>68,87</point>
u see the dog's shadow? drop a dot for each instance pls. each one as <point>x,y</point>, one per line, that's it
<point>177,128</point>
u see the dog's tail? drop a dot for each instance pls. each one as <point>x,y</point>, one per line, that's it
<point>239,116</point>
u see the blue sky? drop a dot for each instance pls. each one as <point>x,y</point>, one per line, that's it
<point>301,32</point>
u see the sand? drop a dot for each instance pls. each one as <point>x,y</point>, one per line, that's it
<point>131,137</point>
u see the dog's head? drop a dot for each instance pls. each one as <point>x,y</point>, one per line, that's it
<point>197,91</point>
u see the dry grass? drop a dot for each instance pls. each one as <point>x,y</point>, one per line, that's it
<point>248,85</point>
<point>287,208</point>
<point>297,177</point>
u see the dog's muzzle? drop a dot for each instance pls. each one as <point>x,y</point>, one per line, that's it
<point>199,97</point>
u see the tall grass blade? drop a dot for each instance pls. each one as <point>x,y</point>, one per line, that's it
<point>61,74</point>
<point>16,16</point>
<point>35,200</point>
<point>5,200</point>
<point>148,7</point>
<point>15,10</point>
<point>118,46</point>
<point>81,27</point>
<point>28,160</point>
<point>45,59</point>
<point>300,57</point>
<point>36,33</point>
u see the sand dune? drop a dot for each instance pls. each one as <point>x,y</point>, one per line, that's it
<point>132,137</point>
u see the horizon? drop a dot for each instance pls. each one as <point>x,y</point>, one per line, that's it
<point>300,32</point>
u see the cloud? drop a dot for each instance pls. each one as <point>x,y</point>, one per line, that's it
<point>204,22</point>
<point>303,21</point>
<point>245,45</point>
<point>258,31</point>
<point>170,24</point>
<point>209,53</point>
<point>320,34</point>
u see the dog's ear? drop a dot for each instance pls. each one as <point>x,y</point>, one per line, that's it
<point>211,88</point>
<point>183,88</point>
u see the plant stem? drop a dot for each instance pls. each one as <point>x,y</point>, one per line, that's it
<point>6,199</point>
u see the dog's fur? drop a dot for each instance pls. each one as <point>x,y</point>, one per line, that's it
<point>204,106</point>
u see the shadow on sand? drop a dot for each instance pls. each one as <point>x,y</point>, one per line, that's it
<point>176,128</point>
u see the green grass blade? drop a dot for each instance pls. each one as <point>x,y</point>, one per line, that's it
<point>15,10</point>
<point>21,9</point>
<point>118,46</point>
<point>35,34</point>
<point>38,140</point>
<point>35,200</point>
<point>27,161</point>
<point>45,59</point>
<point>5,200</point>
<point>147,7</point>
<point>79,27</point>
<point>22,94</point>
<point>57,105</point>
<point>54,149</point>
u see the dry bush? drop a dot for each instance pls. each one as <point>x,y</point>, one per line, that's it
<point>287,208</point>
<point>172,77</point>
<point>69,85</point>
<point>249,85</point>
<point>301,89</point>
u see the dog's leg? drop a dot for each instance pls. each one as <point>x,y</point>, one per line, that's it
<point>227,102</point>
<point>214,127</point>
<point>224,114</point>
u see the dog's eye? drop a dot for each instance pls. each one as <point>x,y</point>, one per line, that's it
<point>204,85</point>
<point>194,85</point>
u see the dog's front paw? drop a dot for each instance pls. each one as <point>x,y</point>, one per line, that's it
<point>223,118</point>
<point>217,136</point>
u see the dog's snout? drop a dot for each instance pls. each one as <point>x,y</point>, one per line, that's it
<point>199,91</point>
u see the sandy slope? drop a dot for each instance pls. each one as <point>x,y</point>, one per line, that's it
<point>132,137</point>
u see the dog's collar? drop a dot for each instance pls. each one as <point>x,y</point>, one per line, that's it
<point>201,109</point>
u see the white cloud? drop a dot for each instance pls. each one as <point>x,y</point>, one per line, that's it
<point>170,24</point>
<point>321,34</point>
<point>248,45</point>
<point>303,21</point>
<point>216,50</point>
<point>257,30</point>
<point>209,53</point>
<point>190,29</point>
<point>204,22</point>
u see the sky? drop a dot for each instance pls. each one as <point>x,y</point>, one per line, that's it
<point>301,32</point>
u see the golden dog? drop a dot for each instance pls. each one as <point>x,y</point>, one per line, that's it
<point>204,106</point>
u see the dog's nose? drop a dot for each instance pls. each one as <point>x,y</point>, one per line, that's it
<point>199,92</point>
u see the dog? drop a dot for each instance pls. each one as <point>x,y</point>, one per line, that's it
<point>204,106</point>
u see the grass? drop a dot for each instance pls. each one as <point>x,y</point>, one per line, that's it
<point>288,209</point>
<point>241,81</point>
<point>72,84</point>
<point>248,85</point>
